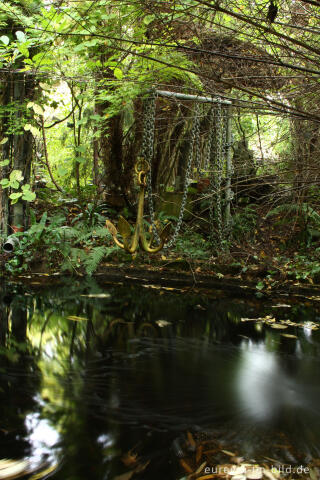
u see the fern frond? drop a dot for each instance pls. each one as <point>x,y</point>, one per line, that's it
<point>96,255</point>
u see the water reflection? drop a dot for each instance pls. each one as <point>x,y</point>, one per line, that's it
<point>85,378</point>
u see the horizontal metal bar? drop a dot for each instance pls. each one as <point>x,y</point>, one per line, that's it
<point>182,96</point>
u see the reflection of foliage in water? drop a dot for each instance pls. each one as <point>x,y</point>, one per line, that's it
<point>19,374</point>
<point>82,336</point>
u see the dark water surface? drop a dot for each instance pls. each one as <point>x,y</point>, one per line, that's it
<point>88,372</point>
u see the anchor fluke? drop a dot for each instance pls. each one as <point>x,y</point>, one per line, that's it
<point>124,227</point>
<point>112,229</point>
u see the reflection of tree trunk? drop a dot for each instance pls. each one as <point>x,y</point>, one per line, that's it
<point>3,324</point>
<point>19,322</point>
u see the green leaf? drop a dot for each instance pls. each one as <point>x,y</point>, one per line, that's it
<point>28,196</point>
<point>14,184</point>
<point>148,19</point>
<point>35,132</point>
<point>15,195</point>
<point>20,36</point>
<point>4,140</point>
<point>27,127</point>
<point>16,175</point>
<point>4,163</point>
<point>44,86</point>
<point>81,159</point>
<point>80,149</point>
<point>37,109</point>
<point>30,105</point>
<point>62,171</point>
<point>4,39</point>
<point>118,73</point>
<point>4,183</point>
<point>23,49</point>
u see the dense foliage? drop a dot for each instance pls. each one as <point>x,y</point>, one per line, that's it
<point>73,79</point>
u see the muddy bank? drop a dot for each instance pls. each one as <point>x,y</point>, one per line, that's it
<point>177,275</point>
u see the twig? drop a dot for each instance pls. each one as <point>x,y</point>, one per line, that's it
<point>46,156</point>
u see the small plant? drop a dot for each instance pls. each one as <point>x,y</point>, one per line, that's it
<point>244,223</point>
<point>69,248</point>
<point>193,245</point>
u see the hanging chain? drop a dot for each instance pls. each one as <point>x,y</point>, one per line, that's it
<point>210,140</point>
<point>197,147</point>
<point>219,170</point>
<point>211,158</point>
<point>214,160</point>
<point>147,152</point>
<point>195,128</point>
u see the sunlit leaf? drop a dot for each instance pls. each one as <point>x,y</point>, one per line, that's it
<point>4,39</point>
<point>37,109</point>
<point>20,36</point>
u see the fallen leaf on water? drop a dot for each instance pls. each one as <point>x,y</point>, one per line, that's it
<point>314,474</point>
<point>281,305</point>
<point>310,326</point>
<point>254,472</point>
<point>97,295</point>
<point>228,453</point>
<point>251,319</point>
<point>237,460</point>
<point>202,467</point>
<point>199,453</point>
<point>288,335</point>
<point>237,470</point>
<point>124,476</point>
<point>185,466</point>
<point>191,442</point>
<point>162,323</point>
<point>13,468</point>
<point>279,326</point>
<point>141,467</point>
<point>267,473</point>
<point>74,318</point>
<point>43,473</point>
<point>129,459</point>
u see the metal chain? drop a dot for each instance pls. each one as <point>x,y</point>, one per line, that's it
<point>211,157</point>
<point>210,140</point>
<point>194,130</point>
<point>219,170</point>
<point>229,172</point>
<point>197,147</point>
<point>147,152</point>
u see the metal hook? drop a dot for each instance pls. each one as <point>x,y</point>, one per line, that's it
<point>131,241</point>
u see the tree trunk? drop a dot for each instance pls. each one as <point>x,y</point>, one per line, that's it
<point>18,149</point>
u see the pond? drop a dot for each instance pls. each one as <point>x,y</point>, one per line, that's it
<point>93,375</point>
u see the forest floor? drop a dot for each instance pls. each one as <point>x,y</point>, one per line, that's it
<point>264,253</point>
